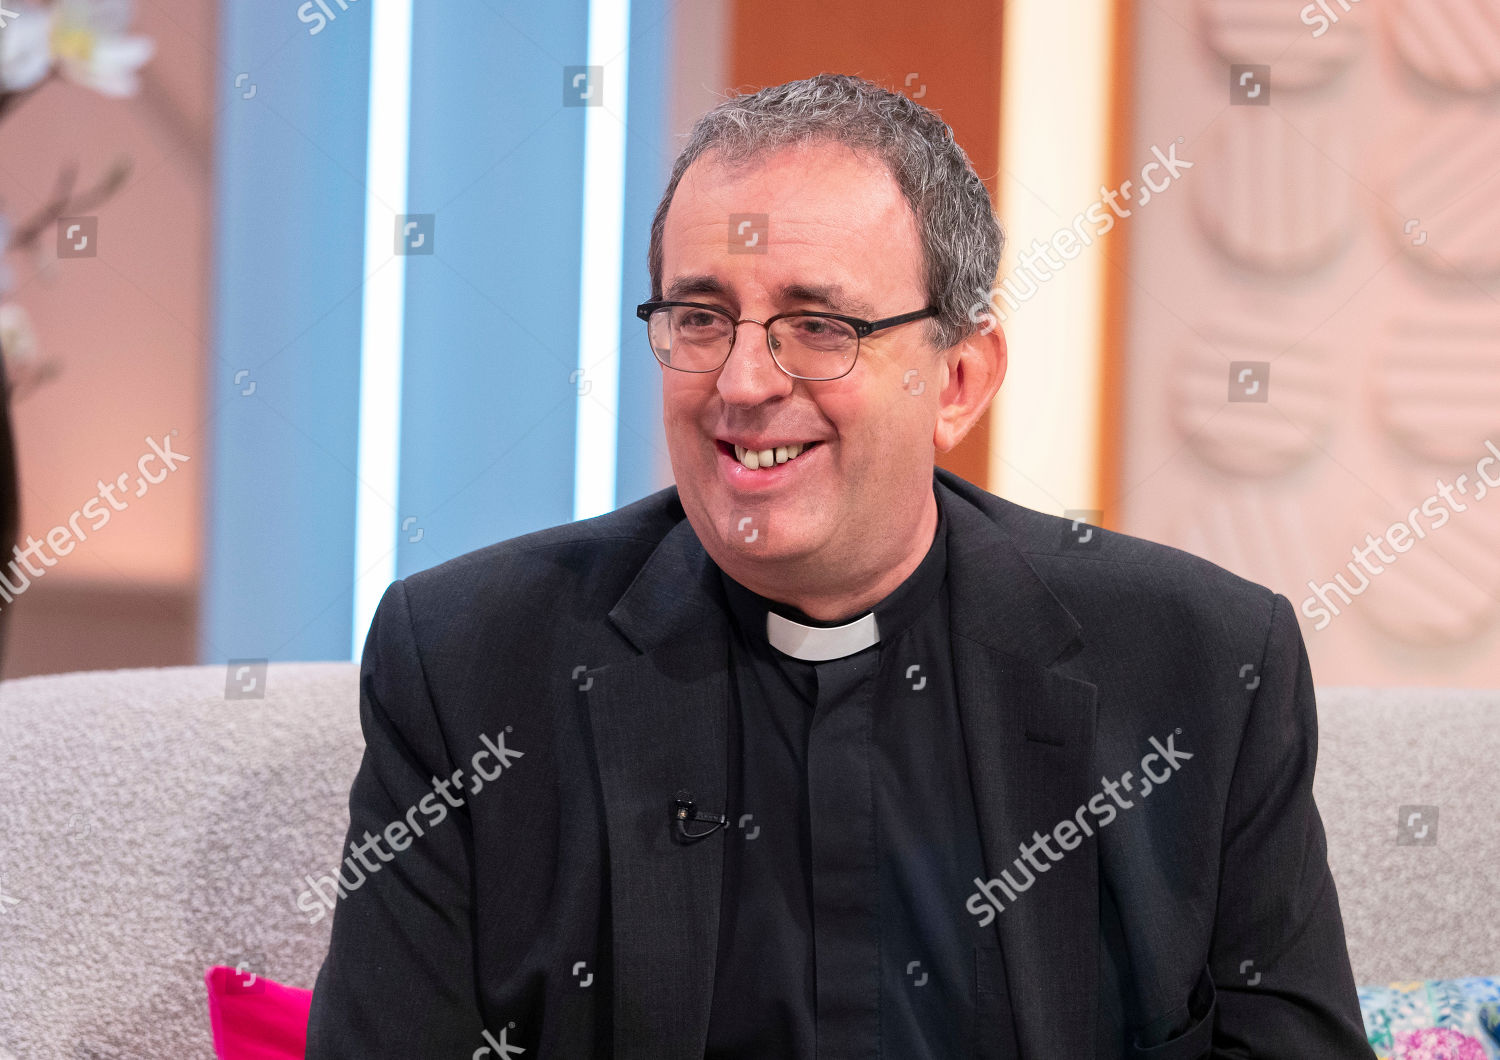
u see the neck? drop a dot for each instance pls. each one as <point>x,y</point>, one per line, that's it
<point>838,601</point>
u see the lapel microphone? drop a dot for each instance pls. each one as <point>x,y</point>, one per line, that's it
<point>683,812</point>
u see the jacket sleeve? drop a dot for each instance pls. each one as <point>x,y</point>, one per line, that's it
<point>398,980</point>
<point>1278,959</point>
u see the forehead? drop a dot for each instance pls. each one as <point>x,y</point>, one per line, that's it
<point>834,220</point>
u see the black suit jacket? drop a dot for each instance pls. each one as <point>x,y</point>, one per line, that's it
<point>554,911</point>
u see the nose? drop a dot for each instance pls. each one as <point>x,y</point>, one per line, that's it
<point>750,376</point>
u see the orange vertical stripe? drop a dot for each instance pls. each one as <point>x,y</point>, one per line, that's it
<point>1116,277</point>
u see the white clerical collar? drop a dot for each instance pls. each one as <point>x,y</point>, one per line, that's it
<point>820,643</point>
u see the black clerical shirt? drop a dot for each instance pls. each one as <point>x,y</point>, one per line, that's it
<point>852,840</point>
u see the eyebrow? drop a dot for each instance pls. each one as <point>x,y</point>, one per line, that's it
<point>828,294</point>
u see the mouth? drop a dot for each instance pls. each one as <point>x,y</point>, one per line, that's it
<point>764,459</point>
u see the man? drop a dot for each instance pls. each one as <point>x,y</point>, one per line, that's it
<point>825,751</point>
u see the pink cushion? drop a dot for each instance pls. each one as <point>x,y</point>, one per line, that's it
<point>255,1018</point>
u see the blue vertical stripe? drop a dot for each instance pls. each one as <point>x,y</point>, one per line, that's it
<point>642,466</point>
<point>288,249</point>
<point>492,314</point>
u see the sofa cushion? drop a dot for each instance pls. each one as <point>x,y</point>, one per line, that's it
<point>1417,895</point>
<point>153,828</point>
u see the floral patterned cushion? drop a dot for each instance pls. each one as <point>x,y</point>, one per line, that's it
<point>1438,1019</point>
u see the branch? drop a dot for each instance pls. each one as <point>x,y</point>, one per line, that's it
<point>26,378</point>
<point>65,204</point>
<point>10,100</point>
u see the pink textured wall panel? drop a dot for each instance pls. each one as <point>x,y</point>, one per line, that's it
<point>1312,368</point>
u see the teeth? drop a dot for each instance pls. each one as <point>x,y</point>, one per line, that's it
<point>759,458</point>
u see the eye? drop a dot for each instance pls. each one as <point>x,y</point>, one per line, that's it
<point>821,333</point>
<point>692,324</point>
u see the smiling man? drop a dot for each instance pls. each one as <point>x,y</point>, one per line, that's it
<point>824,751</point>
<point>844,521</point>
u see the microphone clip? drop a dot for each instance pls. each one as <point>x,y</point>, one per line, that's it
<point>683,812</point>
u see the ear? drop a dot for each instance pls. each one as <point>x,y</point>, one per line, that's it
<point>976,368</point>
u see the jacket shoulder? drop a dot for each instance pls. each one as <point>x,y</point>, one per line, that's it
<point>571,566</point>
<point>1093,571</point>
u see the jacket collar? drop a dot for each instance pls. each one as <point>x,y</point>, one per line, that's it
<point>659,721</point>
<point>675,591</point>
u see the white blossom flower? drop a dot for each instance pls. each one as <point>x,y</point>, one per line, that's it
<point>26,368</point>
<point>25,46</point>
<point>17,340</point>
<point>93,48</point>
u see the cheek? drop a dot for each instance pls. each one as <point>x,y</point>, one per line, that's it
<point>881,439</point>
<point>678,408</point>
<point>684,419</point>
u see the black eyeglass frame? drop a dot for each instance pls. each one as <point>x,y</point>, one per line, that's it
<point>862,329</point>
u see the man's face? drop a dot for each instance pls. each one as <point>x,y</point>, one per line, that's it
<point>839,225</point>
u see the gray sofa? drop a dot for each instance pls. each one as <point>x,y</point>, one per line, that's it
<point>150,827</point>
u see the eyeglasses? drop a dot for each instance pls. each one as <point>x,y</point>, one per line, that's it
<point>694,337</point>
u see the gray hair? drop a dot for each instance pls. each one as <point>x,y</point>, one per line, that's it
<point>961,237</point>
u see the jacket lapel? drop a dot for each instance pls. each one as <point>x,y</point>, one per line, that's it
<point>1029,734</point>
<point>659,725</point>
